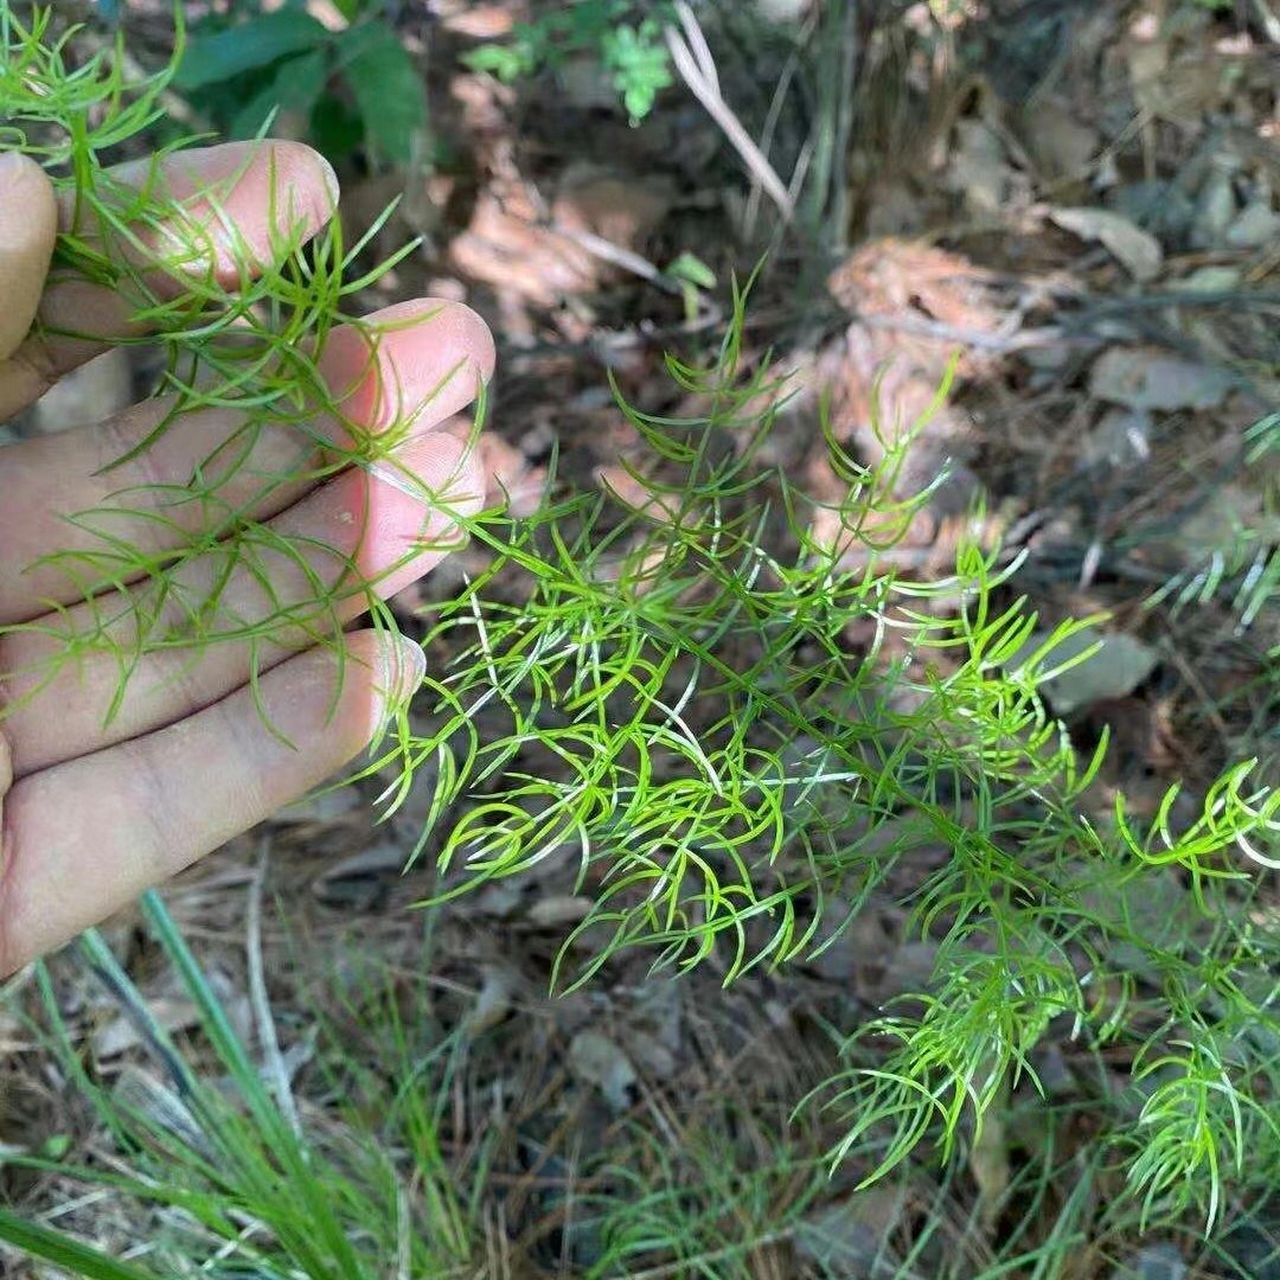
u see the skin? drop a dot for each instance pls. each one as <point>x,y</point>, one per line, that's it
<point>91,814</point>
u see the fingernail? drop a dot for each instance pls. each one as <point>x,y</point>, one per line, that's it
<point>404,666</point>
<point>10,164</point>
<point>330,180</point>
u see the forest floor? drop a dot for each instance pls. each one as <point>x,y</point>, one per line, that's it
<point>1079,202</point>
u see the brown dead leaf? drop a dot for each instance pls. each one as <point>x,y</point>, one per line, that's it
<point>478,21</point>
<point>624,211</point>
<point>512,481</point>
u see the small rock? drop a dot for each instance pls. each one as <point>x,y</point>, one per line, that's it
<point>498,898</point>
<point>1215,211</point>
<point>1212,279</point>
<point>1060,145</point>
<point>359,881</point>
<point>1219,522</point>
<point>852,1237</point>
<point>493,1003</point>
<point>1254,1250</point>
<point>1162,208</point>
<point>1121,438</point>
<point>1119,666</point>
<point>847,946</point>
<point>558,910</point>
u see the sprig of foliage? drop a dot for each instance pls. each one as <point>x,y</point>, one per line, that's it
<point>724,703</point>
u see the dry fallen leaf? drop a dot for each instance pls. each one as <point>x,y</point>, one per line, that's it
<point>494,1001</point>
<point>122,1033</point>
<point>852,1237</point>
<point>978,169</point>
<point>597,1060</point>
<point>1138,251</point>
<point>1060,145</point>
<point>1146,378</point>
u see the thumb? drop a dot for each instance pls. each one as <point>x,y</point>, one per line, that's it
<point>28,227</point>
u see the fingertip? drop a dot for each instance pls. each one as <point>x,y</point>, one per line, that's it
<point>460,326</point>
<point>28,231</point>
<point>255,200</point>
<point>391,669</point>
<point>437,466</point>
<point>414,364</point>
<point>403,666</point>
<point>276,194</point>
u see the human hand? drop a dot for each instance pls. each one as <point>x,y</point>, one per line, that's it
<point>108,787</point>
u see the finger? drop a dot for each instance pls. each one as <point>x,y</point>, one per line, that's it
<point>85,838</point>
<point>28,228</point>
<point>286,590</point>
<point>238,204</point>
<point>429,361</point>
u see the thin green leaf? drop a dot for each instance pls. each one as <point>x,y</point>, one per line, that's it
<point>64,1251</point>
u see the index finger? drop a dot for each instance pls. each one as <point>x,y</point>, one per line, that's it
<point>248,198</point>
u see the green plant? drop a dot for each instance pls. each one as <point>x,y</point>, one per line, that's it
<point>334,1202</point>
<point>693,276</point>
<point>347,87</point>
<point>738,717</point>
<point>626,38</point>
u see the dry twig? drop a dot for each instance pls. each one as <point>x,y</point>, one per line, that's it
<point>692,57</point>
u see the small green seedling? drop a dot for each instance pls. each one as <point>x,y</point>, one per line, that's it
<point>624,37</point>
<point>695,278</point>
